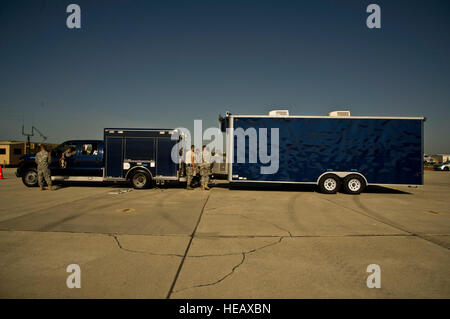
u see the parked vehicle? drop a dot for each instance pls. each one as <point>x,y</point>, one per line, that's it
<point>138,156</point>
<point>332,151</point>
<point>427,159</point>
<point>442,166</point>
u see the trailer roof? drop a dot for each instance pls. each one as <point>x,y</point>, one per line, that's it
<point>137,129</point>
<point>334,117</point>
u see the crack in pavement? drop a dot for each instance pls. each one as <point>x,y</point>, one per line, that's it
<point>244,255</point>
<point>238,253</point>
<point>259,220</point>
<point>172,286</point>
<point>218,281</point>
<point>116,239</point>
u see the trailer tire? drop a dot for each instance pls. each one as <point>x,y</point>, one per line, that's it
<point>329,184</point>
<point>30,178</point>
<point>354,184</point>
<point>140,179</point>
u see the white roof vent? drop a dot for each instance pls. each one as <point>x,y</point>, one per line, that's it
<point>279,113</point>
<point>339,113</point>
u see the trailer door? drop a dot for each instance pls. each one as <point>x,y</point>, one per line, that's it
<point>165,166</point>
<point>114,156</point>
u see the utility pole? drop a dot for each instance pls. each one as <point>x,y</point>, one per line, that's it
<point>28,135</point>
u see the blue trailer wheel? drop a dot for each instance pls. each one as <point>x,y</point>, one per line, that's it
<point>329,184</point>
<point>354,184</point>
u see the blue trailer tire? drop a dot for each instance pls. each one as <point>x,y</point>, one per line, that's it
<point>329,184</point>
<point>354,184</point>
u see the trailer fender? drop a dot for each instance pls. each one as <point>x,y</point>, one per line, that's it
<point>342,175</point>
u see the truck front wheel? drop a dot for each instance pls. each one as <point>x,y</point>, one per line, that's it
<point>329,184</point>
<point>30,178</point>
<point>140,179</point>
<point>354,184</point>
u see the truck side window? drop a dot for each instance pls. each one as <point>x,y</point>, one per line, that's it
<point>58,151</point>
<point>89,149</point>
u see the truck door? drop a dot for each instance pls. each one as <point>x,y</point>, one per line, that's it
<point>56,154</point>
<point>88,161</point>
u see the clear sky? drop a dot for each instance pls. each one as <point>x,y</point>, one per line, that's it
<point>165,63</point>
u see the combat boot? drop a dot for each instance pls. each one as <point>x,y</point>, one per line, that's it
<point>42,188</point>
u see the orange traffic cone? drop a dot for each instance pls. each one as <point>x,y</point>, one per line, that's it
<point>1,173</point>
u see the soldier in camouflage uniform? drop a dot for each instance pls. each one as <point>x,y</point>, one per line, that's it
<point>42,160</point>
<point>205,167</point>
<point>191,169</point>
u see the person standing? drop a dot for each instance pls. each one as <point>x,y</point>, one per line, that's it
<point>43,159</point>
<point>190,166</point>
<point>205,167</point>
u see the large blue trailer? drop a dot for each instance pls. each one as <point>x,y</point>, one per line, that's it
<point>330,151</point>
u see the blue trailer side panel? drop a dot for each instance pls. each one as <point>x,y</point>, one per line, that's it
<point>385,151</point>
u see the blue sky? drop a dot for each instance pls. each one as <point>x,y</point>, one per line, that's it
<point>165,63</point>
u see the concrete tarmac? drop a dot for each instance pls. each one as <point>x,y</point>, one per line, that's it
<point>252,242</point>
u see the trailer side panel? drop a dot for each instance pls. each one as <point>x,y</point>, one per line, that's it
<point>385,151</point>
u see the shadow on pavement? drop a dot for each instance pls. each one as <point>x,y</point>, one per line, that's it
<point>281,187</point>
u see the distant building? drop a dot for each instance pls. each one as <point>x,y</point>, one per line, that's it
<point>11,151</point>
<point>441,158</point>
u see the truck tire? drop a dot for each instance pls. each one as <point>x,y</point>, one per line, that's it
<point>30,178</point>
<point>329,184</point>
<point>140,179</point>
<point>354,184</point>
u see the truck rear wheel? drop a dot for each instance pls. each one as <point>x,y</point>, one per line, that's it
<point>354,184</point>
<point>329,184</point>
<point>30,178</point>
<point>140,179</point>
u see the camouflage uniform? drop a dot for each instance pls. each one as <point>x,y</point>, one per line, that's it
<point>205,168</point>
<point>189,175</point>
<point>42,160</point>
<point>190,170</point>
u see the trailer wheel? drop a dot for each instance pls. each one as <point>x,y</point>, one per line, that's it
<point>354,184</point>
<point>30,178</point>
<point>140,179</point>
<point>329,184</point>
